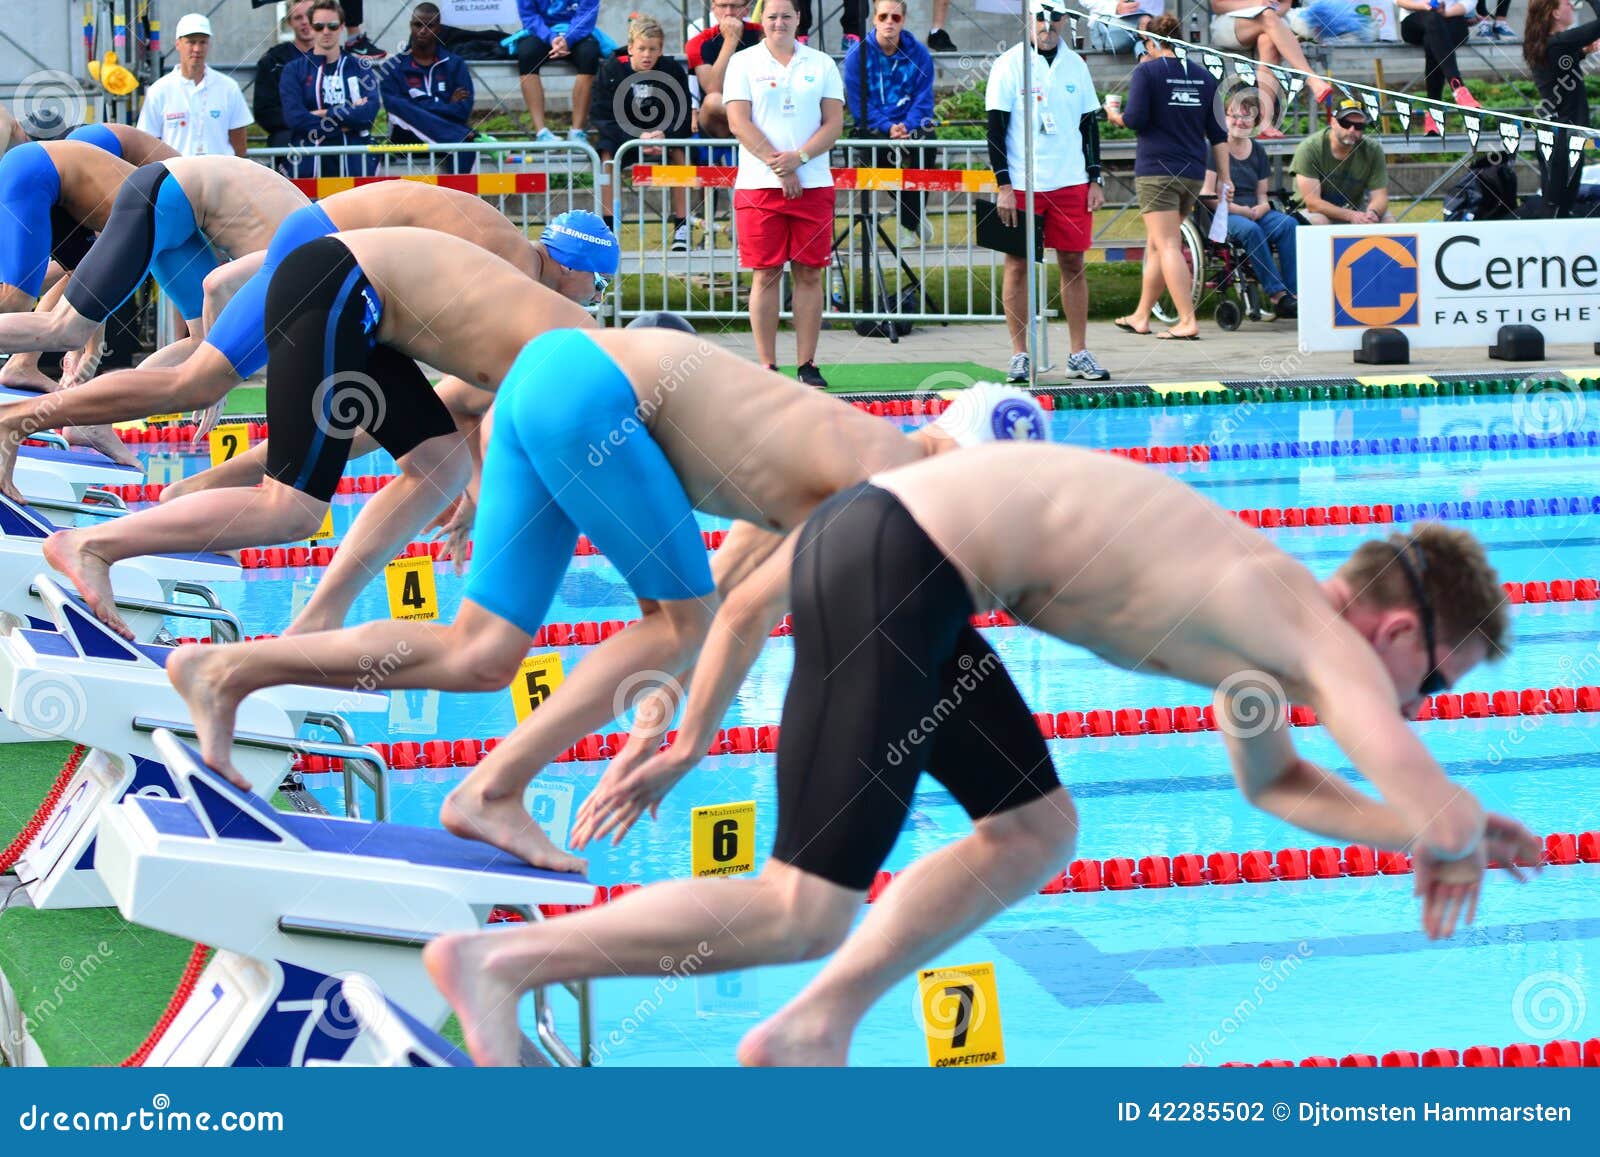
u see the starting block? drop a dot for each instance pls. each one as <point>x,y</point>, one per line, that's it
<point>390,1037</point>
<point>146,587</point>
<point>320,923</point>
<point>84,683</point>
<point>64,475</point>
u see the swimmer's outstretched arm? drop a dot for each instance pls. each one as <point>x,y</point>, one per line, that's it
<point>737,635</point>
<point>58,328</point>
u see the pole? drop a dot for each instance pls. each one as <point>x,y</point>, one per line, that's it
<point>1029,255</point>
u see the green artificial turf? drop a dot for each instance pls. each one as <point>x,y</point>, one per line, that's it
<point>90,984</point>
<point>892,376</point>
<point>26,772</point>
<point>246,400</point>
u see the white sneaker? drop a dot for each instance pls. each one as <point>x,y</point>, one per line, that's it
<point>1019,368</point>
<point>682,237</point>
<point>1083,365</point>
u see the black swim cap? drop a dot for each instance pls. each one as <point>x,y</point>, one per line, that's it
<point>661,319</point>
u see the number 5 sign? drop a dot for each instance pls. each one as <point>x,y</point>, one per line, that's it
<point>723,839</point>
<point>960,1012</point>
<point>538,676</point>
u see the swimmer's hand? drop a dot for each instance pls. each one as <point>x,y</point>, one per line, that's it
<point>1506,841</point>
<point>455,523</point>
<point>632,783</point>
<point>1449,889</point>
<point>206,420</point>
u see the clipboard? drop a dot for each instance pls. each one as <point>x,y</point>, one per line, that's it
<point>991,233</point>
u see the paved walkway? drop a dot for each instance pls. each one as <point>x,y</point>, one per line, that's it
<point>1258,350</point>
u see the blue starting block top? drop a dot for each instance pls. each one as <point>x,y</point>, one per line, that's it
<point>236,815</point>
<point>77,456</point>
<point>25,522</point>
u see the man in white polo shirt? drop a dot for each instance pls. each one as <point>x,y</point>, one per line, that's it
<point>196,110</point>
<point>1066,179</point>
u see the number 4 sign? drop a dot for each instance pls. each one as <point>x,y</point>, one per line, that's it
<point>412,594</point>
<point>538,676</point>
<point>723,839</point>
<point>960,1011</point>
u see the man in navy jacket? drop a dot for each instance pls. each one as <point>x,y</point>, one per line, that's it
<point>330,97</point>
<point>428,92</point>
<point>888,88</point>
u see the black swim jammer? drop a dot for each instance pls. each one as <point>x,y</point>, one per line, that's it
<point>890,679</point>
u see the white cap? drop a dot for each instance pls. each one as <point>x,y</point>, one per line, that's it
<point>991,412</point>
<point>1050,8</point>
<point>193,24</point>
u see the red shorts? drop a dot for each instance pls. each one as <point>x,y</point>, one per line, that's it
<point>774,230</point>
<point>1068,224</point>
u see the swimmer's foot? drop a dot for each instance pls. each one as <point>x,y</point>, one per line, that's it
<point>485,1003</point>
<point>25,375</point>
<point>103,439</point>
<point>88,572</point>
<point>794,1036</point>
<point>200,676</point>
<point>506,824</point>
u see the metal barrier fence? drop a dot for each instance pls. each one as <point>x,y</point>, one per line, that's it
<point>529,181</point>
<point>904,236</point>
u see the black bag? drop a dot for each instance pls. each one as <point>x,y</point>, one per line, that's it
<point>1488,192</point>
<point>905,302</point>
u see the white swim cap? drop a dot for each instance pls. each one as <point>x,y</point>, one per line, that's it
<point>991,412</point>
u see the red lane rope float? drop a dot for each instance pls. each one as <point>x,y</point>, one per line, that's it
<point>1096,724</point>
<point>1556,1054</point>
<point>186,984</point>
<point>1122,874</point>
<point>13,851</point>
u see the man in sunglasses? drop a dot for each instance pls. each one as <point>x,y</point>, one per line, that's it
<point>1340,177</point>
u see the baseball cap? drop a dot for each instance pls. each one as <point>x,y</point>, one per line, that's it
<point>1348,110</point>
<point>193,24</point>
<point>1051,10</point>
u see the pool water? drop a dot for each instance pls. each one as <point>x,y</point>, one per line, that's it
<point>1169,976</point>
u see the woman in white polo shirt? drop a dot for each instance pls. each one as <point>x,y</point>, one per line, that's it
<point>785,104</point>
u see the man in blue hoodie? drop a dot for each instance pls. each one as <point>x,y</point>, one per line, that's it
<point>558,30</point>
<point>428,92</point>
<point>330,97</point>
<point>888,88</point>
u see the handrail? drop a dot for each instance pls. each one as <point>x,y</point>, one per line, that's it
<point>225,625</point>
<point>350,753</point>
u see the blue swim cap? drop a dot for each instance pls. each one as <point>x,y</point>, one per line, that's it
<point>661,319</point>
<point>580,239</point>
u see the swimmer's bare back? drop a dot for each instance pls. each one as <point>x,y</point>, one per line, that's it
<point>140,147</point>
<point>1120,559</point>
<point>411,204</point>
<point>237,204</point>
<point>90,178</point>
<point>745,442</point>
<point>453,306</point>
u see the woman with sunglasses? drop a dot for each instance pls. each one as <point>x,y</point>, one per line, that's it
<point>1554,46</point>
<point>1252,221</point>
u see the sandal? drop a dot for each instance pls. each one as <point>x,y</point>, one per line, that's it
<point>1122,324</point>
<point>1168,335</point>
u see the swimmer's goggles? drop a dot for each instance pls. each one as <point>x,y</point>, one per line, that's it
<point>601,281</point>
<point>1434,681</point>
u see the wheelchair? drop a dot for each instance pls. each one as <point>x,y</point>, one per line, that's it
<point>1221,268</point>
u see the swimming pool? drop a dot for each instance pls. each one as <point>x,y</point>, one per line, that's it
<point>1163,976</point>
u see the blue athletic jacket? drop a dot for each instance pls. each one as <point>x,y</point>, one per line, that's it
<point>418,98</point>
<point>541,17</point>
<point>899,87</point>
<point>298,86</point>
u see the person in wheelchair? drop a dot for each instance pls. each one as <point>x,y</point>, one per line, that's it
<point>1254,225</point>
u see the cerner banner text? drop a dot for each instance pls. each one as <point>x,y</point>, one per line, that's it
<point>1449,285</point>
